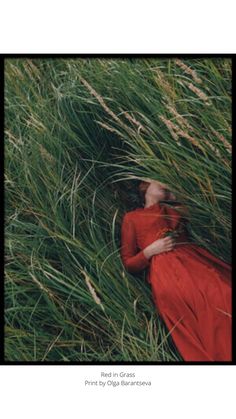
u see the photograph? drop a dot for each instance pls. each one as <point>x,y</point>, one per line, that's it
<point>118,207</point>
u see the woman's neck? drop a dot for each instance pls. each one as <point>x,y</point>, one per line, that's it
<point>150,202</point>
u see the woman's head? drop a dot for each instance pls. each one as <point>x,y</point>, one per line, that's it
<point>153,190</point>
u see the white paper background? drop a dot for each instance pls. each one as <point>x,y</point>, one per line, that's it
<point>180,392</point>
<point>124,26</point>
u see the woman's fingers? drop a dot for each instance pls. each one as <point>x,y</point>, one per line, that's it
<point>169,240</point>
<point>168,243</point>
<point>170,246</point>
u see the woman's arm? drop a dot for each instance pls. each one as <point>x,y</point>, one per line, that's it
<point>133,260</point>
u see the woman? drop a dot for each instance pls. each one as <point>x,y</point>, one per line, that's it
<point>191,288</point>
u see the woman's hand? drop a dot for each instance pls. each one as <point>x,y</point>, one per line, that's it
<point>159,246</point>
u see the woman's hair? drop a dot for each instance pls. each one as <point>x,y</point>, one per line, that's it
<point>142,188</point>
<point>133,194</point>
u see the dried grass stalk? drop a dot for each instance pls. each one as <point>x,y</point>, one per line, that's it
<point>45,154</point>
<point>31,69</point>
<point>170,126</point>
<point>174,129</point>
<point>92,290</point>
<point>42,287</point>
<point>32,121</point>
<point>181,120</point>
<point>161,80</point>
<point>188,70</point>
<point>134,121</point>
<point>108,128</point>
<point>199,93</point>
<point>224,141</point>
<point>102,103</point>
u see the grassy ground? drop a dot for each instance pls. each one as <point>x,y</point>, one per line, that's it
<point>77,131</point>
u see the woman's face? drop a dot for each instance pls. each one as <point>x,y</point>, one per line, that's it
<point>158,191</point>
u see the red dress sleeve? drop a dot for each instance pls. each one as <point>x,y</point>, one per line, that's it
<point>133,260</point>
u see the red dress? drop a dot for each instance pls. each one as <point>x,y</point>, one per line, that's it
<point>191,288</point>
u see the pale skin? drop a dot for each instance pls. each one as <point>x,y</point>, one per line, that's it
<point>155,193</point>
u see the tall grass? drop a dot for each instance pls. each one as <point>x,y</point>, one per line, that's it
<point>77,132</point>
